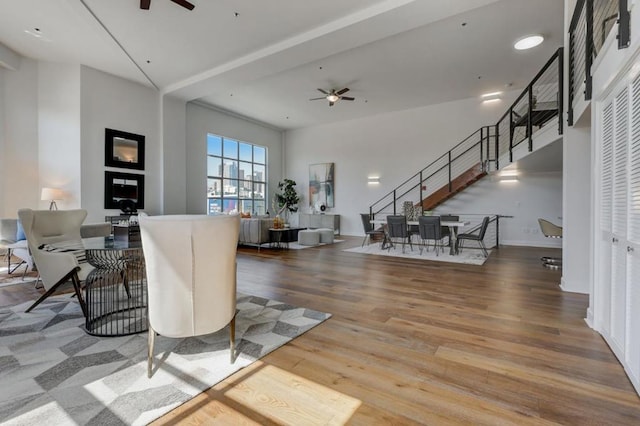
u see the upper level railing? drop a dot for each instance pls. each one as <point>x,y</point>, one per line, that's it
<point>540,103</point>
<point>591,23</point>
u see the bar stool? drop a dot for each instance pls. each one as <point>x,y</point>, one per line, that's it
<point>550,230</point>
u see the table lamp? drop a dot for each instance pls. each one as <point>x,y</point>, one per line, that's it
<point>52,194</point>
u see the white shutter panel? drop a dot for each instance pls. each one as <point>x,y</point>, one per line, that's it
<point>633,238</point>
<point>619,224</point>
<point>606,185</point>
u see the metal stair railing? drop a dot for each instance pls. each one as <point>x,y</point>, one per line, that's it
<point>537,105</point>
<point>473,150</point>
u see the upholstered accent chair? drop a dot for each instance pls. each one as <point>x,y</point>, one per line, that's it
<point>191,275</point>
<point>43,227</point>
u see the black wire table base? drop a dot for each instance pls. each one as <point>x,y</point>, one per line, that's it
<point>116,292</point>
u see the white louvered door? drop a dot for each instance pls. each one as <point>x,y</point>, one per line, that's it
<point>619,221</point>
<point>617,251</point>
<point>606,235</point>
<point>632,350</point>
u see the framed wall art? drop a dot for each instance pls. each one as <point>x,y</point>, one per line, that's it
<point>123,186</point>
<point>321,186</point>
<point>123,149</point>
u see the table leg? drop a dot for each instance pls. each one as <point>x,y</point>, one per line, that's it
<point>453,240</point>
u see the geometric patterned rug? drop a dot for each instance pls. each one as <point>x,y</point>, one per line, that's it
<point>52,372</point>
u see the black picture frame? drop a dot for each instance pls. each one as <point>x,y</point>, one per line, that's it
<point>123,149</point>
<point>122,186</point>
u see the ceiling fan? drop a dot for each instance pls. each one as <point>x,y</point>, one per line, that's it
<point>334,96</point>
<point>144,4</point>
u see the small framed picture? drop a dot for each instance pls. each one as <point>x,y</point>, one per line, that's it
<point>123,149</point>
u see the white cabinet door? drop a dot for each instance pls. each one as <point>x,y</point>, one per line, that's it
<point>619,222</point>
<point>603,292</point>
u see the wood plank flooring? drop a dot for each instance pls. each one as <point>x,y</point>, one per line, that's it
<point>417,342</point>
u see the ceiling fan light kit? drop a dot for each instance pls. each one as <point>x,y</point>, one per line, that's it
<point>145,4</point>
<point>334,96</point>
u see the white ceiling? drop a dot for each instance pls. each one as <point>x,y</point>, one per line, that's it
<point>266,62</point>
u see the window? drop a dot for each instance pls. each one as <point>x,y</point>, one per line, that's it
<point>236,176</point>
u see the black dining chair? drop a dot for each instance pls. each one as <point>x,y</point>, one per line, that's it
<point>397,229</point>
<point>446,232</point>
<point>479,237</point>
<point>369,229</point>
<point>430,229</point>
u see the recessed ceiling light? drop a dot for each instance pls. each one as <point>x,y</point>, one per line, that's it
<point>528,42</point>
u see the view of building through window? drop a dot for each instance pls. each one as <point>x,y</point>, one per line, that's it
<point>236,176</point>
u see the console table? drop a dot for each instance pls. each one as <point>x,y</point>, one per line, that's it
<point>314,221</point>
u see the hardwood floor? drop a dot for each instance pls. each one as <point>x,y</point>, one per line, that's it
<point>417,342</point>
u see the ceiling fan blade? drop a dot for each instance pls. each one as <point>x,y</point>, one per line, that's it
<point>144,4</point>
<point>331,103</point>
<point>184,3</point>
<point>323,91</point>
<point>340,92</point>
<point>317,99</point>
<point>347,98</point>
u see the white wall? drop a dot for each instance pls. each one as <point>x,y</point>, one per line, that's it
<point>202,120</point>
<point>21,139</point>
<point>533,196</point>
<point>59,131</point>
<point>393,146</point>
<point>174,163</point>
<point>3,154</point>
<point>112,102</point>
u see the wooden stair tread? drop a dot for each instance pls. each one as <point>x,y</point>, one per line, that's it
<point>474,174</point>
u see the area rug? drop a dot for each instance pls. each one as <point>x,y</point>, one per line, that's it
<point>468,256</point>
<point>52,372</point>
<point>16,277</point>
<point>295,246</point>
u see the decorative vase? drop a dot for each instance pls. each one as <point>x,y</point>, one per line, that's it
<point>278,223</point>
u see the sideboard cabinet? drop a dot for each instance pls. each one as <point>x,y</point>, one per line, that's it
<point>331,221</point>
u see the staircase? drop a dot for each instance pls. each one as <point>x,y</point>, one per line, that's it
<point>464,164</point>
<point>485,149</point>
<point>458,184</point>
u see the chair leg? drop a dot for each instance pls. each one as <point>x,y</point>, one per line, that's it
<point>151,341</point>
<point>73,275</point>
<point>232,339</point>
<point>484,249</point>
<point>365,240</point>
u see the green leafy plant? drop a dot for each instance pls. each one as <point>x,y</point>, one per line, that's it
<point>287,197</point>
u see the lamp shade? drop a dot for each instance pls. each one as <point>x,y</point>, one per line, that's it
<point>50,194</point>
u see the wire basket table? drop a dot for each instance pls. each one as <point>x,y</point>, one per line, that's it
<point>116,289</point>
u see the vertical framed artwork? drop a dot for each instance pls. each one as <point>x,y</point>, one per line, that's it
<point>321,186</point>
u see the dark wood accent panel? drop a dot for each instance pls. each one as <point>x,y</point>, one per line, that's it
<point>441,195</point>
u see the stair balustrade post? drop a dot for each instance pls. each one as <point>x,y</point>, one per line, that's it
<point>482,136</point>
<point>394,202</point>
<point>497,148</point>
<point>529,120</point>
<point>450,185</point>
<point>421,198</point>
<point>560,88</point>
<point>511,135</point>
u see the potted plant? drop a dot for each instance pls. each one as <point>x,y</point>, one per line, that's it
<point>286,198</point>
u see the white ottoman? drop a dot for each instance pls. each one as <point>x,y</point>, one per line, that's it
<point>326,235</point>
<point>308,237</point>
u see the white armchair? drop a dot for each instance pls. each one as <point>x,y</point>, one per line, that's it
<point>191,275</point>
<point>50,226</point>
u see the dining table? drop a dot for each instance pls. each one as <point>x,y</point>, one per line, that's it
<point>453,231</point>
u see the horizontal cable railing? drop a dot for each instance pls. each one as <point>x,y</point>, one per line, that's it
<point>481,152</point>
<point>540,103</point>
<point>591,24</point>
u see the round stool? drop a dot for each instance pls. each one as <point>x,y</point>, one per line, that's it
<point>326,235</point>
<point>308,237</point>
